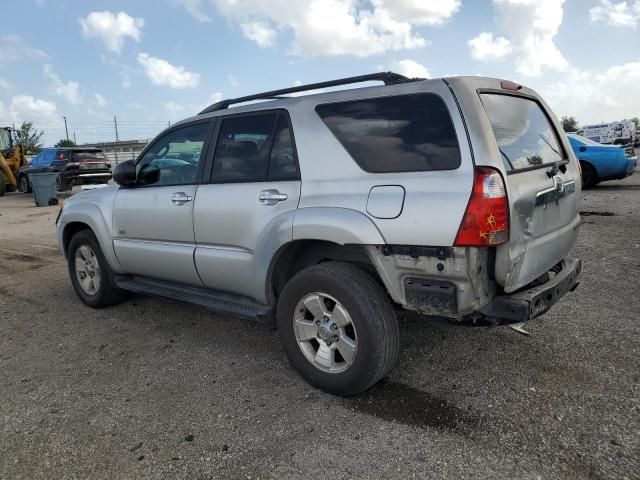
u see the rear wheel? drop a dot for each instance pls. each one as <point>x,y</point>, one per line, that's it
<point>91,276</point>
<point>338,327</point>
<point>62,185</point>
<point>3,186</point>
<point>589,176</point>
<point>23,184</point>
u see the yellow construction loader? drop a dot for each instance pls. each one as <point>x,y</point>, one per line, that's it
<point>11,159</point>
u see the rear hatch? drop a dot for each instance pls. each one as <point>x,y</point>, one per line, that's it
<point>543,188</point>
<point>90,160</point>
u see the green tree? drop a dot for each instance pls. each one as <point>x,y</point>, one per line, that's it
<point>65,143</point>
<point>30,138</point>
<point>636,120</point>
<point>569,124</point>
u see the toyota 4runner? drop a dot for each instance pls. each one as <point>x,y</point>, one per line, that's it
<point>453,197</point>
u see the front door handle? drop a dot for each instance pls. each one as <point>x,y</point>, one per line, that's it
<point>271,197</point>
<point>180,198</point>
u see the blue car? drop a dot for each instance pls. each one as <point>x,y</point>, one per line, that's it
<point>602,162</point>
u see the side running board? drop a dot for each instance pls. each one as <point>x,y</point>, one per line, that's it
<point>213,300</point>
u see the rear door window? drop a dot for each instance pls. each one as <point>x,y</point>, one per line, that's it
<point>524,134</point>
<point>400,133</point>
<point>255,148</point>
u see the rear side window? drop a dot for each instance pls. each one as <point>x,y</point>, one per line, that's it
<point>525,136</point>
<point>401,133</point>
<point>62,155</point>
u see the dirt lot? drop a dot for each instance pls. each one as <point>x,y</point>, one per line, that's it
<point>157,389</point>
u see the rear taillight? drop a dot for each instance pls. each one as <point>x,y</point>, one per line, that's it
<point>486,220</point>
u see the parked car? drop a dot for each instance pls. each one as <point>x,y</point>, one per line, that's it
<point>77,166</point>
<point>602,162</point>
<point>451,197</point>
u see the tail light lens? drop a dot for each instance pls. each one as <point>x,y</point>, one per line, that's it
<point>486,220</point>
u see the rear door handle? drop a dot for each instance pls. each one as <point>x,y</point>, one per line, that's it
<point>180,198</point>
<point>271,197</point>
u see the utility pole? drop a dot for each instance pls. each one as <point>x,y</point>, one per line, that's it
<point>65,127</point>
<point>74,137</point>
<point>115,123</point>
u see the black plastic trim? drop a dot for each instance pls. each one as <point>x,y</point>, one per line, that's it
<point>212,299</point>
<point>389,78</point>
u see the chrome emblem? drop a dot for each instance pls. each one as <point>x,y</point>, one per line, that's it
<point>558,184</point>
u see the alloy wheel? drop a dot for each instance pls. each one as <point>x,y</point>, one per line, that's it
<point>325,332</point>
<point>87,270</point>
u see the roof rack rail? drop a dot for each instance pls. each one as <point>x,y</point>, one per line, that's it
<point>389,78</point>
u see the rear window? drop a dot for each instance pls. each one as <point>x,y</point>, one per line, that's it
<point>88,156</point>
<point>525,136</point>
<point>401,133</point>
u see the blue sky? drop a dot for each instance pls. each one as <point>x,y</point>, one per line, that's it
<point>153,61</point>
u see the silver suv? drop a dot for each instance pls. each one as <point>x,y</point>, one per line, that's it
<point>453,197</point>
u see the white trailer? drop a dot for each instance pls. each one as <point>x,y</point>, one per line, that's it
<point>617,133</point>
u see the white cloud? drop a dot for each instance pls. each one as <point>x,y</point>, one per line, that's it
<point>410,68</point>
<point>613,94</point>
<point>194,7</point>
<point>486,47</point>
<point>70,91</point>
<point>530,26</point>
<point>622,14</point>
<point>99,100</point>
<point>13,48</point>
<point>420,12</point>
<point>27,108</point>
<point>4,84</point>
<point>162,72</point>
<point>215,97</point>
<point>260,32</point>
<point>111,28</point>
<point>339,27</point>
<point>174,109</point>
<point>233,81</point>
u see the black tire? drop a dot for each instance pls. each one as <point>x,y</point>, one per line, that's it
<point>107,293</point>
<point>589,176</point>
<point>23,184</point>
<point>61,184</point>
<point>3,186</point>
<point>372,317</point>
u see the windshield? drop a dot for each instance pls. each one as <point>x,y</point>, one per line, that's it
<point>583,140</point>
<point>5,141</point>
<point>525,136</point>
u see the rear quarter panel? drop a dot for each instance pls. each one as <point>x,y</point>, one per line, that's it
<point>434,202</point>
<point>608,161</point>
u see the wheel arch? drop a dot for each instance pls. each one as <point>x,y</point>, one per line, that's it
<point>88,217</point>
<point>299,254</point>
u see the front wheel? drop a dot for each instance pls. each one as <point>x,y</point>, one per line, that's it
<point>91,276</point>
<point>338,327</point>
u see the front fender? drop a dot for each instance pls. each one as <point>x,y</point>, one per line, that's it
<point>90,215</point>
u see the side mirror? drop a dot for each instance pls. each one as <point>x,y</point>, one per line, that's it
<point>583,149</point>
<point>125,173</point>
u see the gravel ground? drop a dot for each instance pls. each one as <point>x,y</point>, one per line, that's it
<point>157,389</point>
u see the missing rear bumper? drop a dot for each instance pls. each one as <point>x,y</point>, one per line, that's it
<point>530,303</point>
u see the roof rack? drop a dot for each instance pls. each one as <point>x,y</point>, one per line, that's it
<point>389,78</point>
